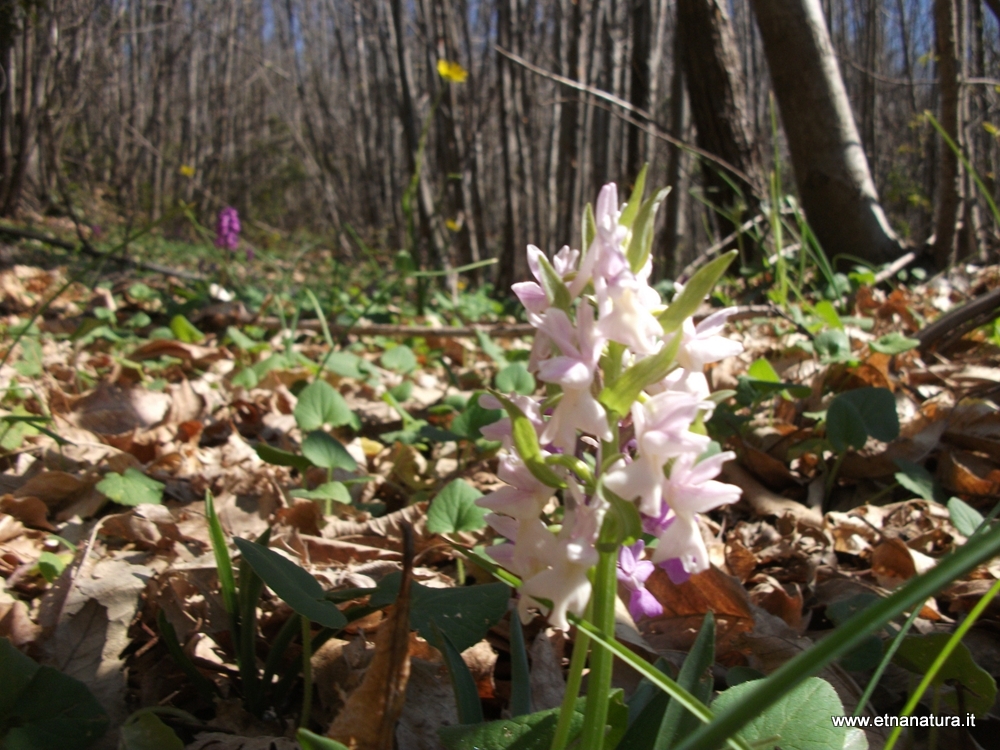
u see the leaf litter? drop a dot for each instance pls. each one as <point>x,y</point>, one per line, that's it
<point>112,440</point>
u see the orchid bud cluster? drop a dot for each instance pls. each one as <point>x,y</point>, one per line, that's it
<point>619,366</point>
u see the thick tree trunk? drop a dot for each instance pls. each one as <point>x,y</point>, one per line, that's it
<point>716,91</point>
<point>949,199</point>
<point>831,170</point>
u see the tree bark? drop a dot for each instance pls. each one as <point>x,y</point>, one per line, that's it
<point>831,171</point>
<point>716,92</point>
<point>949,200</point>
<point>642,35</point>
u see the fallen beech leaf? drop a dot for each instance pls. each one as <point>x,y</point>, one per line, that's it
<point>17,625</point>
<point>781,601</point>
<point>147,526</point>
<point>86,617</point>
<point>29,510</point>
<point>368,720</point>
<point>740,561</point>
<point>110,410</point>
<point>303,515</point>
<point>894,563</point>
<point>51,487</point>
<point>10,528</point>
<point>964,473</point>
<point>684,607</point>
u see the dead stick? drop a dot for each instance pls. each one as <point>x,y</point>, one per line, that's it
<point>87,249</point>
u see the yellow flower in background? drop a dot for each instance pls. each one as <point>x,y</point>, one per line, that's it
<point>452,225</point>
<point>187,170</point>
<point>452,71</point>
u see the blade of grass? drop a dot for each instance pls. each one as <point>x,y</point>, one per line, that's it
<point>949,647</point>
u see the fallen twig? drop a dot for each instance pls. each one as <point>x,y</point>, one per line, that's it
<point>87,249</point>
<point>960,320</point>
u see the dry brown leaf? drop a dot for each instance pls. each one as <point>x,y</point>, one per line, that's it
<point>51,487</point>
<point>894,563</point>
<point>111,410</point>
<point>29,510</point>
<point>684,607</point>
<point>975,425</point>
<point>430,705</point>
<point>10,528</point>
<point>17,625</point>
<point>86,616</point>
<point>146,526</point>
<point>784,601</point>
<point>368,720</point>
<point>965,473</point>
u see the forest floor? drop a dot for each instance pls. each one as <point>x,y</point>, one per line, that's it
<point>124,404</point>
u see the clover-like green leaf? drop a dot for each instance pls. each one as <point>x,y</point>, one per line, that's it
<point>321,404</point>
<point>454,509</point>
<point>131,488</point>
<point>855,415</point>
<point>327,452</point>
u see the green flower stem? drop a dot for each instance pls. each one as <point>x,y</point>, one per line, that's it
<point>307,674</point>
<point>950,646</point>
<point>573,680</point>
<point>595,715</point>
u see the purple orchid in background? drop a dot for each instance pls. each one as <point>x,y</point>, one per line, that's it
<point>632,574</point>
<point>227,230</point>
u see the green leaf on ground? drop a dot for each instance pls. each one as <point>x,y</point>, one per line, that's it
<point>893,343</point>
<point>916,479</point>
<point>41,707</point>
<point>327,452</point>
<point>515,378</point>
<point>454,509</point>
<point>311,741</point>
<point>964,517</point>
<point>799,719</point>
<point>146,731</point>
<point>131,488</point>
<point>833,345</point>
<point>278,457</point>
<point>918,652</point>
<point>320,404</point>
<point>336,491</point>
<point>185,330</point>
<point>399,359</point>
<point>464,614</point>
<point>532,731</point>
<point>855,415</point>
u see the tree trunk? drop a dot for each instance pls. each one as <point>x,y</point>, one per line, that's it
<point>831,171</point>
<point>642,35</point>
<point>949,201</point>
<point>716,91</point>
